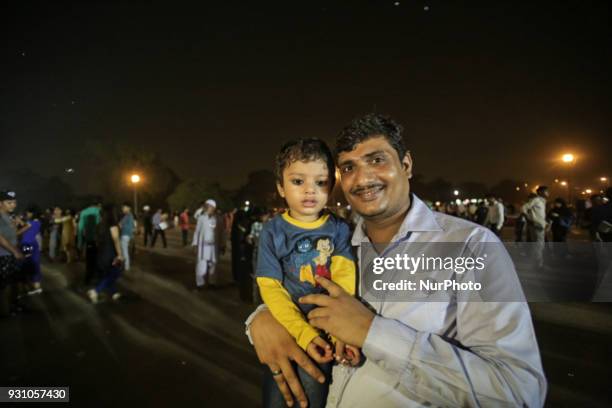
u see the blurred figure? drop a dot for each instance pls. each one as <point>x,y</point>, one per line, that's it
<point>209,242</point>
<point>201,209</point>
<point>127,225</point>
<point>54,233</point>
<point>109,259</point>
<point>89,219</point>
<point>67,234</point>
<point>481,213</point>
<point>561,219</point>
<point>535,214</point>
<point>184,225</point>
<point>159,227</point>
<point>147,224</point>
<point>31,240</point>
<point>495,215</point>
<point>601,219</point>
<point>9,253</point>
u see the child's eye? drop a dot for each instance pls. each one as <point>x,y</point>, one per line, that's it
<point>321,183</point>
<point>297,182</point>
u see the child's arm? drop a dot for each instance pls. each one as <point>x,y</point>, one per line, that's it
<point>285,311</point>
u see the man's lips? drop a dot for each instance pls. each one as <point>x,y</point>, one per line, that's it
<point>369,193</point>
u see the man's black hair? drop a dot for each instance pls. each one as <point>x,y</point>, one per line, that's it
<point>367,127</point>
<point>541,189</point>
<point>305,150</point>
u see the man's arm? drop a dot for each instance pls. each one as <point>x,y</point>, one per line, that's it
<point>277,349</point>
<point>9,247</point>
<point>500,365</point>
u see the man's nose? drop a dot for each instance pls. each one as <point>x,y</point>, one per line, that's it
<point>363,175</point>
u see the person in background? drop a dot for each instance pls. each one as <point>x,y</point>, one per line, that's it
<point>109,259</point>
<point>89,218</point>
<point>209,243</point>
<point>147,224</point>
<point>159,227</point>
<point>54,233</point>
<point>495,215</point>
<point>184,225</point>
<point>561,219</point>
<point>67,234</point>
<point>30,243</point>
<point>127,225</point>
<point>9,252</point>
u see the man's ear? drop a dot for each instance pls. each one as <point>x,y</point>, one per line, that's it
<point>280,189</point>
<point>407,164</point>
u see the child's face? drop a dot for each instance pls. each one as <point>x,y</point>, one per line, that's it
<point>305,188</point>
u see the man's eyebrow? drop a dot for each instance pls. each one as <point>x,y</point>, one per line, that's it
<point>374,153</point>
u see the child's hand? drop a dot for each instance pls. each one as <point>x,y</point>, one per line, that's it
<point>319,350</point>
<point>346,354</point>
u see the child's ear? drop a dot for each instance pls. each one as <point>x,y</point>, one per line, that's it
<point>280,189</point>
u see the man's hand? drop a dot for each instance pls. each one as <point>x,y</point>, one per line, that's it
<point>339,314</point>
<point>276,348</point>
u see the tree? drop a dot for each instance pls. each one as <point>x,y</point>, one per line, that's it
<point>260,190</point>
<point>115,162</point>
<point>190,193</point>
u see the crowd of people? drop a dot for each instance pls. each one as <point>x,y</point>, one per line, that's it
<point>104,237</point>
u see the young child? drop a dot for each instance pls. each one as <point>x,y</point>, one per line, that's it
<point>294,247</point>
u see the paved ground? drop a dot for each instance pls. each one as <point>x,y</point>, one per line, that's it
<point>163,345</point>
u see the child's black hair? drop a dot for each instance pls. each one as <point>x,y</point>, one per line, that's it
<point>305,150</point>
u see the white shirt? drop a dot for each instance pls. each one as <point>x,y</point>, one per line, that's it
<point>444,353</point>
<point>495,215</point>
<point>535,210</point>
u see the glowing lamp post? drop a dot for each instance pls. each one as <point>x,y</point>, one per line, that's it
<point>570,160</point>
<point>135,179</point>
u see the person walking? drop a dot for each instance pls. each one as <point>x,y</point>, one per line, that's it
<point>109,259</point>
<point>9,253</point>
<point>127,226</point>
<point>159,226</point>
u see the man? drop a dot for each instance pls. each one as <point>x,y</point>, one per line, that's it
<point>127,226</point>
<point>601,219</point>
<point>535,213</point>
<point>495,215</point>
<point>417,353</point>
<point>9,253</point>
<point>159,227</point>
<point>208,241</point>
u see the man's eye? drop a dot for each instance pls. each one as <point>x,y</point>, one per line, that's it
<point>378,160</point>
<point>321,183</point>
<point>297,182</point>
<point>346,169</point>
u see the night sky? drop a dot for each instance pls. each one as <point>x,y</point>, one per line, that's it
<point>485,91</point>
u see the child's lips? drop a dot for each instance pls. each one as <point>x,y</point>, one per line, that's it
<point>309,203</point>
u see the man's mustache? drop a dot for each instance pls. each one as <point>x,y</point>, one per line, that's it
<point>361,189</point>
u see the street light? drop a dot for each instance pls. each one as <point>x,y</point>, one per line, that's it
<point>564,183</point>
<point>570,160</point>
<point>456,192</point>
<point>605,181</point>
<point>135,179</point>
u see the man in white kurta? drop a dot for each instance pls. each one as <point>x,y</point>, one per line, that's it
<point>206,240</point>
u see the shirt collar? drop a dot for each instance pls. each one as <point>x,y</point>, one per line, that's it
<point>418,219</point>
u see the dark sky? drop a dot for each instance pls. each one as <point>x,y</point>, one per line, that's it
<point>485,90</point>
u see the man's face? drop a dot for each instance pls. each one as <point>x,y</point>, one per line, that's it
<point>125,209</point>
<point>210,210</point>
<point>374,180</point>
<point>8,205</point>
